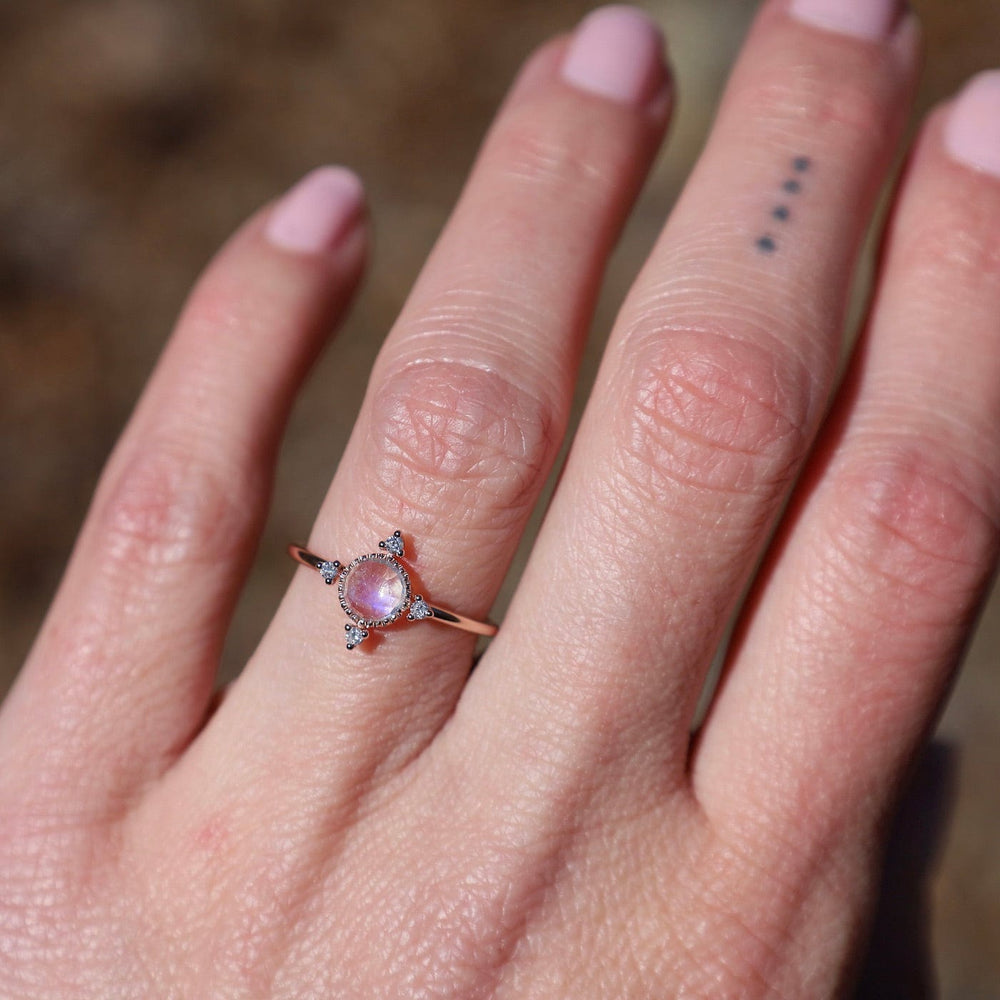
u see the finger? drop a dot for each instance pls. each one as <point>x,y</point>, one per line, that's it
<point>715,378</point>
<point>467,404</point>
<point>123,668</point>
<point>867,603</point>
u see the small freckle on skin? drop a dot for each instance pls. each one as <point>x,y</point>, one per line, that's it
<point>792,186</point>
<point>781,213</point>
<point>766,244</point>
<point>801,163</point>
<point>212,834</point>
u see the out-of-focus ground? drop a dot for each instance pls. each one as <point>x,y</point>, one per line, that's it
<point>135,134</point>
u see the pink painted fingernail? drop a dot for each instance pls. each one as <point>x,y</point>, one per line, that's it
<point>872,20</point>
<point>315,214</point>
<point>972,131</point>
<point>616,52</point>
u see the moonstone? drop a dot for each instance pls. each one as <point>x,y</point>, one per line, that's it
<point>374,590</point>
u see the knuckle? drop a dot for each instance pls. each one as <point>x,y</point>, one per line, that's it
<point>560,161</point>
<point>952,244</point>
<point>849,106</point>
<point>211,306</point>
<point>816,99</point>
<point>171,508</point>
<point>442,431</point>
<point>468,314</point>
<point>713,413</point>
<point>921,522</point>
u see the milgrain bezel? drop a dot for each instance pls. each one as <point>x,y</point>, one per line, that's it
<point>368,623</point>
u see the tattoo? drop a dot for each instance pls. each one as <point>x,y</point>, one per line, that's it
<point>782,212</point>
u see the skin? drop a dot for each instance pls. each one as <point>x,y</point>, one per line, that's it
<point>378,823</point>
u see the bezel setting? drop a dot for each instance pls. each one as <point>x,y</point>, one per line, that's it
<point>401,609</point>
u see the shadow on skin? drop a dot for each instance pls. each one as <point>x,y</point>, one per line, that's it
<point>898,962</point>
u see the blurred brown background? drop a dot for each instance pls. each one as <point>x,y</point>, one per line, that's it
<point>135,134</point>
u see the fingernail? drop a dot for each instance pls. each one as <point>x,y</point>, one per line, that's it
<point>872,20</point>
<point>972,131</point>
<point>616,52</point>
<point>315,214</point>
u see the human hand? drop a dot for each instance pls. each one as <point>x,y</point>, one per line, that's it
<point>375,822</point>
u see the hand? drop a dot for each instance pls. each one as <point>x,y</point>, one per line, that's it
<point>376,822</point>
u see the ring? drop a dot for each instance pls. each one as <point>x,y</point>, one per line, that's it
<point>375,591</point>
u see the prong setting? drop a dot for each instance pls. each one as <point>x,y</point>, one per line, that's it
<point>419,608</point>
<point>393,544</point>
<point>355,635</point>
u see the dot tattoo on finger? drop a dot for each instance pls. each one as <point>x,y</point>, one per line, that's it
<point>767,243</point>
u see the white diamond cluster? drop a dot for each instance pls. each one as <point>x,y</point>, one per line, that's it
<point>329,571</point>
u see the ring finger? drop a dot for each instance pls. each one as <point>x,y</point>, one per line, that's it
<point>466,409</point>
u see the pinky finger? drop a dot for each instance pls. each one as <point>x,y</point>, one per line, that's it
<point>122,672</point>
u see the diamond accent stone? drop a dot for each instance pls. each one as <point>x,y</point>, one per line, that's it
<point>354,635</point>
<point>419,609</point>
<point>329,571</point>
<point>393,545</point>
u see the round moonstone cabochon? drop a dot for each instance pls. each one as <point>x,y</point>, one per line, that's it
<point>374,589</point>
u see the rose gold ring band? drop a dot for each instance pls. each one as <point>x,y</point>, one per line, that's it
<point>375,591</point>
